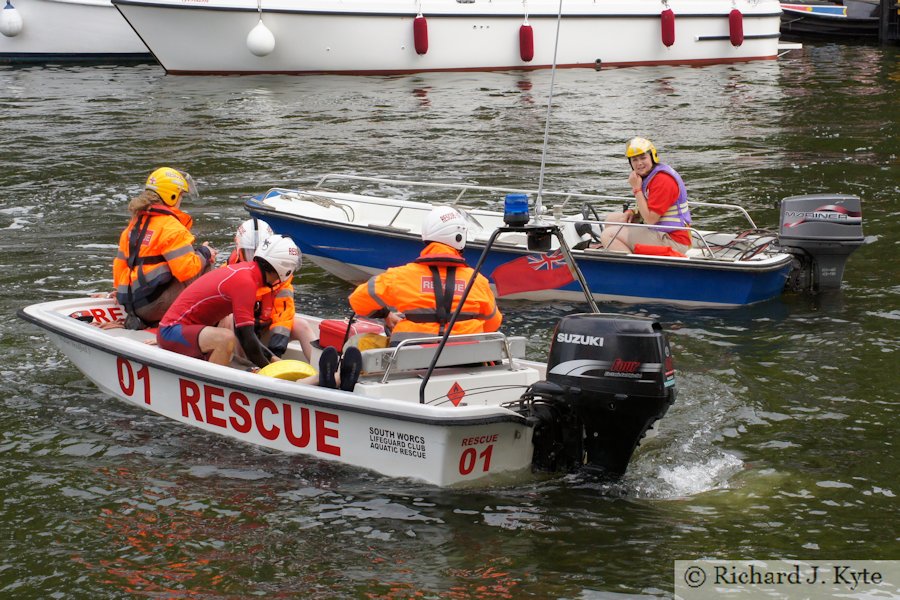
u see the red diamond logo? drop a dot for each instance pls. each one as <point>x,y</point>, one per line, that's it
<point>456,394</point>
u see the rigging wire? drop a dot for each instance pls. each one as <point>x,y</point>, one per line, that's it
<point>538,203</point>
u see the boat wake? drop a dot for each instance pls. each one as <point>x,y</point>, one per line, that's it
<point>686,458</point>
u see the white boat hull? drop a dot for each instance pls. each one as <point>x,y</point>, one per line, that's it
<point>71,30</point>
<point>366,37</point>
<point>388,431</point>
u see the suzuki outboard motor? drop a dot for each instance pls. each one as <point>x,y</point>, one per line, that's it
<point>609,378</point>
<point>821,231</point>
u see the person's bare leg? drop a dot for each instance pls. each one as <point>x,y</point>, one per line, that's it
<point>615,239</point>
<point>303,332</point>
<point>219,343</point>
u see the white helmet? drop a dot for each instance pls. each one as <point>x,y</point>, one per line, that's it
<point>282,254</point>
<point>250,235</point>
<point>446,225</point>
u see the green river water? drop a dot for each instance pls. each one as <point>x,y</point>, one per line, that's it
<point>782,444</point>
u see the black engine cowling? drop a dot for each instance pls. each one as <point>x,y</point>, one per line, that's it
<point>609,378</point>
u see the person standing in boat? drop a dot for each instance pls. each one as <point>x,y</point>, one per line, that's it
<point>276,320</point>
<point>157,258</point>
<point>660,200</point>
<point>191,326</point>
<point>417,299</point>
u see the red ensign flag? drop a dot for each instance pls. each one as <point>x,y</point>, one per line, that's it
<point>532,272</point>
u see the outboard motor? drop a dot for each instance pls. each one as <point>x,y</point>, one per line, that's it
<point>821,231</point>
<point>609,379</point>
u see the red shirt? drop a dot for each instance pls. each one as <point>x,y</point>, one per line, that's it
<point>661,195</point>
<point>228,290</point>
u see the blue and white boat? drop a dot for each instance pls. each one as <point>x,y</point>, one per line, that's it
<point>355,235</point>
<point>852,19</point>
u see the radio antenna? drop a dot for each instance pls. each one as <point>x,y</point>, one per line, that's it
<point>539,203</point>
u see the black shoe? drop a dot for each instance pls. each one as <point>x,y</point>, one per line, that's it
<point>328,364</point>
<point>351,366</point>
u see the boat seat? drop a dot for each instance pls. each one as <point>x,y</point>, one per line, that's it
<point>460,350</point>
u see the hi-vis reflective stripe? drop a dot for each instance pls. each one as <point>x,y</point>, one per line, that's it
<point>175,253</point>
<point>370,287</point>
<point>672,217</point>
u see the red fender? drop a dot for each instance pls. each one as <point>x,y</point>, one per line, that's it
<point>526,42</point>
<point>667,21</point>
<point>420,34</point>
<point>736,27</point>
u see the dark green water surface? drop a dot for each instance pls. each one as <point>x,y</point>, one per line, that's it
<point>783,442</point>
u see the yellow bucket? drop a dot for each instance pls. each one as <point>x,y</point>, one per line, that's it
<point>291,370</point>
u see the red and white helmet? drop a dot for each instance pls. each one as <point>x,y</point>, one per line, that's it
<point>250,234</point>
<point>282,254</point>
<point>446,225</point>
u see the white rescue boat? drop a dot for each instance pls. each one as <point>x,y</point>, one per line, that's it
<point>469,412</point>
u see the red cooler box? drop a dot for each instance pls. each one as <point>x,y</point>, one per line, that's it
<point>332,331</point>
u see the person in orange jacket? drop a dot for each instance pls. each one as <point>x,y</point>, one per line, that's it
<point>276,321</point>
<point>157,258</point>
<point>419,298</point>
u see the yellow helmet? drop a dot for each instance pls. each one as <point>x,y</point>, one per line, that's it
<point>638,145</point>
<point>170,184</point>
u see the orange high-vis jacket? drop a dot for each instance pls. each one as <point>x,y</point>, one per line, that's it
<point>275,310</point>
<point>165,251</point>
<point>411,290</point>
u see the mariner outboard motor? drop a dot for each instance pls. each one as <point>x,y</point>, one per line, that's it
<point>821,231</point>
<point>609,379</point>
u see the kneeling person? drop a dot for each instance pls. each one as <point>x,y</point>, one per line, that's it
<point>276,323</point>
<point>189,327</point>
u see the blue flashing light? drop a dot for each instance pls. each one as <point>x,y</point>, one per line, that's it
<point>515,210</point>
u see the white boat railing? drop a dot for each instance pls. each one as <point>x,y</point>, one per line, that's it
<point>700,237</point>
<point>465,187</point>
<point>417,353</point>
<point>702,243</point>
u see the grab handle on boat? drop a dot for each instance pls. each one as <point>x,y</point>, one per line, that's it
<point>415,342</point>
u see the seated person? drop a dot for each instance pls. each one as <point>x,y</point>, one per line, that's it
<point>190,326</point>
<point>276,323</point>
<point>418,299</point>
<point>157,259</point>
<point>661,200</point>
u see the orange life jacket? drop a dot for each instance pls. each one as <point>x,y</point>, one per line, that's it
<point>155,248</point>
<point>427,291</point>
<point>274,309</point>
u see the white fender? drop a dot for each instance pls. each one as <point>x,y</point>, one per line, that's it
<point>10,21</point>
<point>260,41</point>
